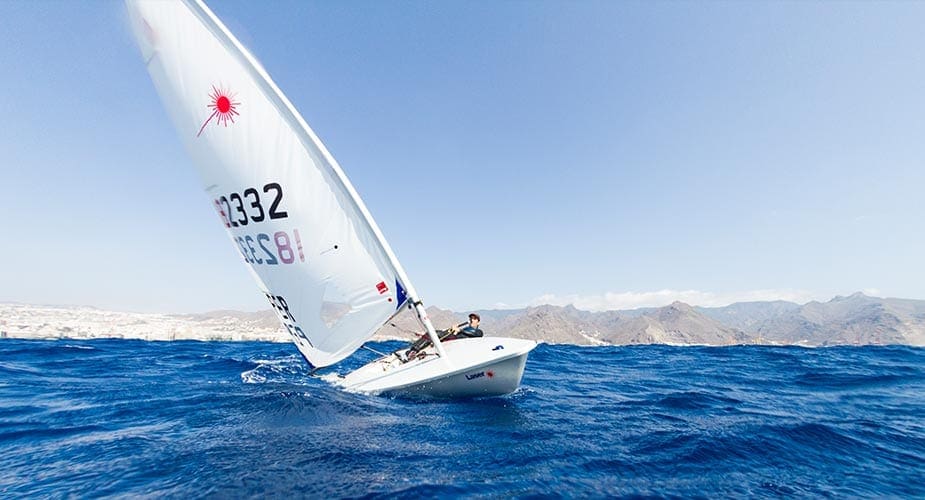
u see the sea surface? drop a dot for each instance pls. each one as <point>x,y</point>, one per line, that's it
<point>246,419</point>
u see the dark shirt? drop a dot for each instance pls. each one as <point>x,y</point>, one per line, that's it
<point>468,332</point>
<point>424,341</point>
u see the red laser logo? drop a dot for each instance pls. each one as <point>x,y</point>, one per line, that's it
<point>224,108</point>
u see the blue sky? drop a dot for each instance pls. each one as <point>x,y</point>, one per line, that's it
<point>607,154</point>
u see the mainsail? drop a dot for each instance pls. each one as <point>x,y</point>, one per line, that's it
<point>299,225</point>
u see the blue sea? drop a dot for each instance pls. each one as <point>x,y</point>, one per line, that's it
<point>246,419</point>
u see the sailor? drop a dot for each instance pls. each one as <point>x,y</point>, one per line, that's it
<point>469,330</point>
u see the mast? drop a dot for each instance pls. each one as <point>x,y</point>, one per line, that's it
<point>296,120</point>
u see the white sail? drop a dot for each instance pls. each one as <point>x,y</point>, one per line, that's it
<point>301,228</point>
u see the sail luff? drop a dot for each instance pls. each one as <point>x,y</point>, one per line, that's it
<point>293,115</point>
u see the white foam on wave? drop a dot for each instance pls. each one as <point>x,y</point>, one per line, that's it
<point>269,369</point>
<point>252,377</point>
<point>333,379</point>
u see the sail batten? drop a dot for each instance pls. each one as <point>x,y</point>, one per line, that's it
<point>299,224</point>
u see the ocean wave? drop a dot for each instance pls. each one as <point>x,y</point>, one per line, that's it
<point>248,419</point>
<point>283,369</point>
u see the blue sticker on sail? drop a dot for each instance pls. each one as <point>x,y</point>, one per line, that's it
<point>400,294</point>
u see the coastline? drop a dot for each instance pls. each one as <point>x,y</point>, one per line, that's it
<point>856,320</point>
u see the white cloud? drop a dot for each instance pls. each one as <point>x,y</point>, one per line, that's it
<point>632,300</point>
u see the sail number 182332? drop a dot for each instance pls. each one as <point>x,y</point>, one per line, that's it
<point>239,209</point>
<point>278,249</point>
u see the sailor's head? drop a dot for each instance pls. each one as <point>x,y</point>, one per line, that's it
<point>474,320</point>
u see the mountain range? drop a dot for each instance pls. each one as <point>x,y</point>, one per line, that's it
<point>857,319</point>
<point>853,320</point>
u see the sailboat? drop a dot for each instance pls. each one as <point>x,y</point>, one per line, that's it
<point>308,240</point>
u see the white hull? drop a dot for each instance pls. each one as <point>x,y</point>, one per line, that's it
<point>476,367</point>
